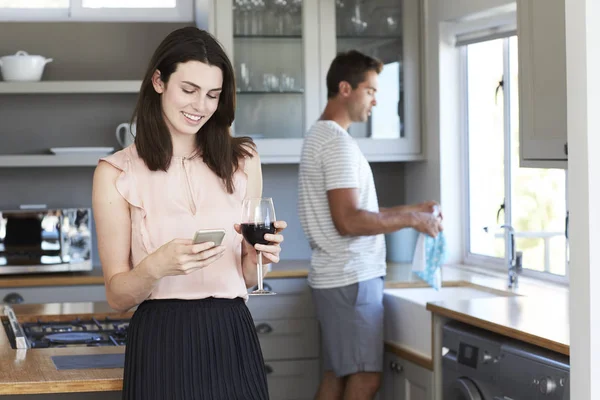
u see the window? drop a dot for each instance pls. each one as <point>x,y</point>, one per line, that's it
<point>96,10</point>
<point>34,3</point>
<point>500,193</point>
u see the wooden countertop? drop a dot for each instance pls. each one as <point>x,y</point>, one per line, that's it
<point>93,277</point>
<point>399,275</point>
<point>541,321</point>
<point>285,269</point>
<point>32,371</point>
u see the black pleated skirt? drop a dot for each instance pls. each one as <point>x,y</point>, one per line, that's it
<point>193,350</point>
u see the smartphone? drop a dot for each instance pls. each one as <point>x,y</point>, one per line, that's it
<point>209,235</point>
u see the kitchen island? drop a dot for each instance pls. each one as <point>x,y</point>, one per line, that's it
<point>31,371</point>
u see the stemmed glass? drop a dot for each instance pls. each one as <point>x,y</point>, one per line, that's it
<point>258,219</point>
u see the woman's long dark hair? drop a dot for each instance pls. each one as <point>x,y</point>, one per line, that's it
<point>219,150</point>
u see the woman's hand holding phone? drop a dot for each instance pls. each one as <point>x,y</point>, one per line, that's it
<point>182,257</point>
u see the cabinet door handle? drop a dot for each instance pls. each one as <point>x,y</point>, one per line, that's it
<point>268,369</point>
<point>566,149</point>
<point>13,298</point>
<point>264,328</point>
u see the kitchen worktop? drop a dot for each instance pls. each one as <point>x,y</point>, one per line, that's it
<point>543,322</point>
<point>398,275</point>
<point>32,371</point>
<point>285,269</point>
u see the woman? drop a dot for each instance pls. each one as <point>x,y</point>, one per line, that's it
<point>192,336</point>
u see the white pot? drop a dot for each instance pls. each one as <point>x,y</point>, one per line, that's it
<point>23,67</point>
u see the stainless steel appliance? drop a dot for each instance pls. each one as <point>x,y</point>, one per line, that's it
<point>54,332</point>
<point>45,240</point>
<point>480,365</point>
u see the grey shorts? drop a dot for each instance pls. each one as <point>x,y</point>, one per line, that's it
<point>351,319</point>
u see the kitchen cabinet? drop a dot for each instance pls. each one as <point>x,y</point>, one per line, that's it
<point>289,338</point>
<point>53,294</point>
<point>281,52</point>
<point>542,81</point>
<point>389,30</point>
<point>404,380</point>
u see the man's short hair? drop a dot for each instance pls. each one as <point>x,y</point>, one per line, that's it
<point>350,66</point>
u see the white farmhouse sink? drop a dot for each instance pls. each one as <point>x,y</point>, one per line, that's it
<point>408,323</point>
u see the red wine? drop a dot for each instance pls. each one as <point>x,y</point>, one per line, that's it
<point>255,233</point>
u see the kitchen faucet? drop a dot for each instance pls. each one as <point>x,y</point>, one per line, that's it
<point>514,259</point>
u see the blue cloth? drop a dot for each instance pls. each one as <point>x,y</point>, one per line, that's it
<point>435,256</point>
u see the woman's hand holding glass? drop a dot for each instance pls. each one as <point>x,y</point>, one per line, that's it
<point>269,251</point>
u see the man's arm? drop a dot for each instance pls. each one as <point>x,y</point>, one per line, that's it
<point>426,207</point>
<point>401,209</point>
<point>350,220</point>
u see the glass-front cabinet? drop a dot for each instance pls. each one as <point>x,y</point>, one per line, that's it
<point>269,64</point>
<point>389,30</point>
<point>281,51</point>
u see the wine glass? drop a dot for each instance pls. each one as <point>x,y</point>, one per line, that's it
<point>258,219</point>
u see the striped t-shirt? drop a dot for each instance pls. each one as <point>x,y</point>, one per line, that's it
<point>331,159</point>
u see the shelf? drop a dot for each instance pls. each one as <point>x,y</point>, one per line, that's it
<point>270,92</point>
<point>48,160</point>
<point>370,37</point>
<point>271,150</point>
<point>267,36</point>
<point>51,161</point>
<point>52,87</point>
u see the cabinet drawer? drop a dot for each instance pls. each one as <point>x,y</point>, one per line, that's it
<point>288,339</point>
<point>293,300</point>
<point>55,294</point>
<point>293,380</point>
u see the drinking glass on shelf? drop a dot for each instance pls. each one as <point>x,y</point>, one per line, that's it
<point>245,77</point>
<point>258,219</point>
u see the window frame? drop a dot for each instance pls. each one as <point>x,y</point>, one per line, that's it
<point>494,263</point>
<point>182,12</point>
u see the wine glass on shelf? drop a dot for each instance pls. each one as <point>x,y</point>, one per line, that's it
<point>258,219</point>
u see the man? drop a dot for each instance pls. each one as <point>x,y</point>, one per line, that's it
<point>341,217</point>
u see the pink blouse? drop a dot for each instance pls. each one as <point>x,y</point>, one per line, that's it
<point>175,204</point>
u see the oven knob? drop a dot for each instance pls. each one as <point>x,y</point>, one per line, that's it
<point>13,298</point>
<point>547,385</point>
<point>487,357</point>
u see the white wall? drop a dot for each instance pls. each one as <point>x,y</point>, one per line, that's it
<point>583,125</point>
<point>440,177</point>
